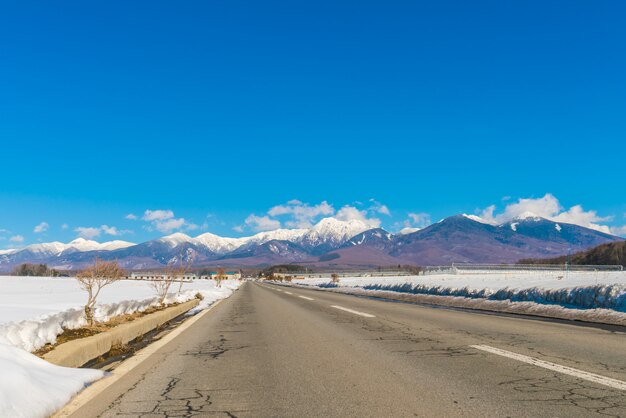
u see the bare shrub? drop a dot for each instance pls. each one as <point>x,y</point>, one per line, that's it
<point>96,277</point>
<point>175,271</point>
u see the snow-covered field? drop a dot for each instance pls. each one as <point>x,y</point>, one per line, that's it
<point>582,290</point>
<point>34,310</point>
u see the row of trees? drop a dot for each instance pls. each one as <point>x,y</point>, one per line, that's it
<point>613,253</point>
<point>103,273</point>
<point>41,270</point>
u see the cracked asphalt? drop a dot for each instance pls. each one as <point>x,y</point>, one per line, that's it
<point>264,353</point>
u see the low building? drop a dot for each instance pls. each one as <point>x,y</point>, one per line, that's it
<point>150,275</point>
<point>236,275</point>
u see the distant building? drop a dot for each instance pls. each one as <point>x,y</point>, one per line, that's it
<point>150,275</point>
<point>236,275</point>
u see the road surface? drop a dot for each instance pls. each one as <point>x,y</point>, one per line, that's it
<point>273,351</point>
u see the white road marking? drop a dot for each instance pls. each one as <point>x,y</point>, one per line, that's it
<point>581,374</point>
<point>289,293</point>
<point>354,312</point>
<point>307,298</point>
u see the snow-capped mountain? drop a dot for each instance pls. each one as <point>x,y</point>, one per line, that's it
<point>331,242</point>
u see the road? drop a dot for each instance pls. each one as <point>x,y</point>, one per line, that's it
<point>273,351</point>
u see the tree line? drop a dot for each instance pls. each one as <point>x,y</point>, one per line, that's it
<point>613,253</point>
<point>42,270</point>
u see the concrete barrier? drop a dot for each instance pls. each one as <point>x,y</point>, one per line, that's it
<point>75,353</point>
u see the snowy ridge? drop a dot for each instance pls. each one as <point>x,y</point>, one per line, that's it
<point>477,218</point>
<point>56,248</point>
<point>327,231</point>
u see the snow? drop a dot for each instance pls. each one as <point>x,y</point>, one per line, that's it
<point>524,216</point>
<point>476,218</point>
<point>580,290</point>
<point>176,239</point>
<point>557,227</point>
<point>32,387</point>
<point>34,310</point>
<point>55,248</point>
<point>514,226</point>
<point>327,230</point>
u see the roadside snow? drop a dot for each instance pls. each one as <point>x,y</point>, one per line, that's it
<point>32,387</point>
<point>34,310</point>
<point>581,290</point>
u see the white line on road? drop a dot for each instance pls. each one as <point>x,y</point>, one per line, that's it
<point>307,298</point>
<point>289,293</point>
<point>592,377</point>
<point>354,312</point>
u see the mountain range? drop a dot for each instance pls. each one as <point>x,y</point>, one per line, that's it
<point>331,243</point>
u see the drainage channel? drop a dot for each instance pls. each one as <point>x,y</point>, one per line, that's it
<point>110,360</point>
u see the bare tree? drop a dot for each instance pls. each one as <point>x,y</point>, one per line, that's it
<point>335,277</point>
<point>220,276</point>
<point>174,272</point>
<point>94,278</point>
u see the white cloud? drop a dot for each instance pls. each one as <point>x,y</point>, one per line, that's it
<point>90,232</point>
<point>413,223</point>
<point>262,223</point>
<point>238,228</point>
<point>378,207</point>
<point>407,230</point>
<point>419,220</point>
<point>131,216</point>
<point>17,239</point>
<point>384,210</point>
<point>169,225</point>
<point>157,215</point>
<point>42,227</point>
<point>619,230</point>
<point>578,216</point>
<point>348,213</point>
<point>165,222</point>
<point>302,213</point>
<point>547,207</point>
<point>65,226</point>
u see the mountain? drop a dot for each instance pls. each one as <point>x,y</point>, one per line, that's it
<point>45,251</point>
<point>468,239</point>
<point>332,243</point>
<point>567,234</point>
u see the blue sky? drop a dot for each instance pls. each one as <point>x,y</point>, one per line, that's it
<point>214,111</point>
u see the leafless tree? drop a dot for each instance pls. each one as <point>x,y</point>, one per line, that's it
<point>175,271</point>
<point>335,277</point>
<point>221,275</point>
<point>96,277</point>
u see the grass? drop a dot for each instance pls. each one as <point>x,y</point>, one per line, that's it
<point>88,331</point>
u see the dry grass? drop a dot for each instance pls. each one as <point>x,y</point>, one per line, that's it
<point>88,331</point>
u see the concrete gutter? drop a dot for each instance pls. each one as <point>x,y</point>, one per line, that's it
<point>75,353</point>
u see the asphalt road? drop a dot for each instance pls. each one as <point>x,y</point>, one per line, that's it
<point>271,351</point>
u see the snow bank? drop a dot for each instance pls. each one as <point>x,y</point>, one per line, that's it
<point>579,290</point>
<point>38,309</point>
<point>32,387</point>
<point>584,297</point>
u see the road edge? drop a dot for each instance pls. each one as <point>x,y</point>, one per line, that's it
<point>93,390</point>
